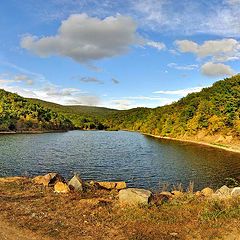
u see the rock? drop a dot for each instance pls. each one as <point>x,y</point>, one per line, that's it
<point>61,187</point>
<point>112,185</point>
<point>76,183</point>
<point>106,185</point>
<point>207,192</point>
<point>167,194</point>
<point>177,193</point>
<point>235,192</point>
<point>48,179</point>
<point>134,196</point>
<point>198,194</point>
<point>223,192</point>
<point>92,183</point>
<point>121,185</point>
<point>158,199</point>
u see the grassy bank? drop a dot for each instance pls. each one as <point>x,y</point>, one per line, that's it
<point>97,214</point>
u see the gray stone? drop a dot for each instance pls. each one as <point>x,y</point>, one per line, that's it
<point>134,196</point>
<point>76,183</point>
<point>224,191</point>
<point>235,192</point>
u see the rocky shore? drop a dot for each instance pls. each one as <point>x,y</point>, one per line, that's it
<point>129,196</point>
<point>55,208</point>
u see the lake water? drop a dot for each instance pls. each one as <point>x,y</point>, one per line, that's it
<point>140,160</point>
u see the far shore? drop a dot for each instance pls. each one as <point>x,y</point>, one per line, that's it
<point>225,147</point>
<point>31,132</point>
<point>229,148</point>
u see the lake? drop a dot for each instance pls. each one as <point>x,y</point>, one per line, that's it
<point>140,160</point>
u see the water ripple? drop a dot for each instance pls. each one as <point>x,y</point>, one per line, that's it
<point>141,161</point>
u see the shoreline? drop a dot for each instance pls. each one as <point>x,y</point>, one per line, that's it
<point>32,132</point>
<point>227,148</point>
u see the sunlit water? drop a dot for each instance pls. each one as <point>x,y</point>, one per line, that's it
<point>140,160</point>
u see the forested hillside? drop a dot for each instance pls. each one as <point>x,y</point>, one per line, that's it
<point>214,110</point>
<point>18,114</point>
<point>83,117</point>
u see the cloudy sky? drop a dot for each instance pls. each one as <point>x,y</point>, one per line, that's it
<point>114,53</point>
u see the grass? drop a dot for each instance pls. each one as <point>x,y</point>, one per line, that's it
<point>96,214</point>
<point>220,145</point>
<point>221,209</point>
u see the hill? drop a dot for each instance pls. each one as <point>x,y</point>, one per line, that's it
<point>19,114</point>
<point>212,115</point>
<point>83,117</point>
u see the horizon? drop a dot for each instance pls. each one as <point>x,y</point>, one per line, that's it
<point>118,56</point>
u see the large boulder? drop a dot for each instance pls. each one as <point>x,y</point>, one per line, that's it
<point>76,183</point>
<point>61,187</point>
<point>223,192</point>
<point>235,192</point>
<point>207,192</point>
<point>134,196</point>
<point>112,185</point>
<point>48,179</point>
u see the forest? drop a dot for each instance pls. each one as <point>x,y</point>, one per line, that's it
<point>18,114</point>
<point>214,110</point>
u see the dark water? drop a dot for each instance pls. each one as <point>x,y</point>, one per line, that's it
<point>140,160</point>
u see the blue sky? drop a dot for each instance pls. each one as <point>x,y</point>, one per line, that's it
<point>117,54</point>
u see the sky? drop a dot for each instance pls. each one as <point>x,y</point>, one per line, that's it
<point>114,53</point>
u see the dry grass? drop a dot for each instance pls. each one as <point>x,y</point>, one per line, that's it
<point>96,214</point>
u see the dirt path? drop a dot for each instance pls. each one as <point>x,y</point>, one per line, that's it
<point>10,232</point>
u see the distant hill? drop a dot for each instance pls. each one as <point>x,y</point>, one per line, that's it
<point>83,117</point>
<point>19,114</point>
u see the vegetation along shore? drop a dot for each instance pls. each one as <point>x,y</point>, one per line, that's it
<point>50,207</point>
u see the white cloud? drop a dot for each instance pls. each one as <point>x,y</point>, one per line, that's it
<point>84,38</point>
<point>216,69</point>
<point>165,100</point>
<point>181,92</point>
<point>66,96</point>
<point>34,85</point>
<point>19,78</point>
<point>47,91</point>
<point>158,45</point>
<point>138,101</point>
<point>23,71</point>
<point>122,104</point>
<point>24,78</point>
<point>218,17</point>
<point>233,2</point>
<point>220,50</point>
<point>184,67</point>
<point>195,17</point>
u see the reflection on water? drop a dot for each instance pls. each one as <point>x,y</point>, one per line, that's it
<point>140,160</point>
